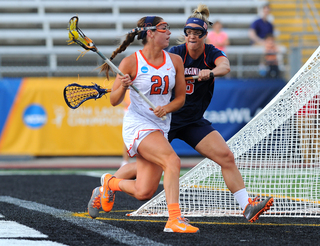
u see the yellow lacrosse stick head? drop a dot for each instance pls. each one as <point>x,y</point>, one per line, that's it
<point>73,34</point>
<point>77,36</point>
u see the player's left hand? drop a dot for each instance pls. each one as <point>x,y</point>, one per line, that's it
<point>204,74</point>
<point>159,111</point>
<point>125,80</point>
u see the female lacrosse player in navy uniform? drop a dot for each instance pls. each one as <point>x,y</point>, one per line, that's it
<point>188,123</point>
<point>156,73</point>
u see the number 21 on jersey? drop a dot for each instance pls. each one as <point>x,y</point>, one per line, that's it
<point>157,88</point>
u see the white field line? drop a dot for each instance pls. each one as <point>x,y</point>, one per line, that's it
<point>104,229</point>
<point>23,242</point>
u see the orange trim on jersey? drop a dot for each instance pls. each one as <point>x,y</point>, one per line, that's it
<point>204,54</point>
<point>128,151</point>
<point>136,66</point>
<point>219,57</point>
<point>156,67</point>
<point>185,56</point>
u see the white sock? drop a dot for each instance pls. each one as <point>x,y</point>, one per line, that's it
<point>242,197</point>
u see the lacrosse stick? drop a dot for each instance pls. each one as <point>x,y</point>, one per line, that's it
<point>75,94</point>
<point>78,37</point>
<point>191,77</point>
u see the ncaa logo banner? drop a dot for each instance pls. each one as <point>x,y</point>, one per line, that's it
<point>35,120</point>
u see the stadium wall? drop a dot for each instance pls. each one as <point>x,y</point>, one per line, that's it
<point>35,120</point>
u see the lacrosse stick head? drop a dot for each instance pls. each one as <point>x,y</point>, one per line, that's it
<point>78,37</point>
<point>75,94</point>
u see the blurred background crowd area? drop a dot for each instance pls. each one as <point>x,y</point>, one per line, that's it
<point>34,33</point>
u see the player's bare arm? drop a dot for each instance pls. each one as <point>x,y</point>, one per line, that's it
<point>222,67</point>
<point>122,83</point>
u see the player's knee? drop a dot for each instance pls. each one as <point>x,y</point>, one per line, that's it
<point>173,163</point>
<point>228,159</point>
<point>225,159</point>
<point>144,195</point>
<point>229,156</point>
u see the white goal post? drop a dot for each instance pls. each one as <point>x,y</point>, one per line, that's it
<point>277,153</point>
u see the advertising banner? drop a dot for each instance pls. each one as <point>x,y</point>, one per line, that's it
<point>40,123</point>
<point>35,120</point>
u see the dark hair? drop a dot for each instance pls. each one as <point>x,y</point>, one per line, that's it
<point>129,39</point>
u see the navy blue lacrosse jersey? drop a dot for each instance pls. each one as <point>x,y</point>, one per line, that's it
<point>198,93</point>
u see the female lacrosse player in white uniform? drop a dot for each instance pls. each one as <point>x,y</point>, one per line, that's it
<point>156,74</point>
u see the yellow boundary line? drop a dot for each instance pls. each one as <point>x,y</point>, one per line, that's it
<point>86,215</point>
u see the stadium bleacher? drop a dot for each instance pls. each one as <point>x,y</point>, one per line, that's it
<point>34,32</point>
<point>298,23</point>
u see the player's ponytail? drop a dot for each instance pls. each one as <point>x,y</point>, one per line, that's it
<point>129,39</point>
<point>202,12</point>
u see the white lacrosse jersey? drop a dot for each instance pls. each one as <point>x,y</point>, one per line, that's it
<point>156,83</point>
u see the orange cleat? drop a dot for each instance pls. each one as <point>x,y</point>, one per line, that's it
<point>253,210</point>
<point>180,225</point>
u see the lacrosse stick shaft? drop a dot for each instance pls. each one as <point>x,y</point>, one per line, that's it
<point>197,77</point>
<point>116,69</point>
<point>191,77</point>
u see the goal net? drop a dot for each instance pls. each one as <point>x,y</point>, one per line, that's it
<point>277,153</point>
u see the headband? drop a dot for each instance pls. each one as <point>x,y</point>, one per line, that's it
<point>199,22</point>
<point>147,23</point>
<point>203,26</point>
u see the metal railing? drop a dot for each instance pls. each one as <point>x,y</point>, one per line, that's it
<point>106,22</point>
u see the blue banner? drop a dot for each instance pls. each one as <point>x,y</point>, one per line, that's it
<point>8,92</point>
<point>235,102</point>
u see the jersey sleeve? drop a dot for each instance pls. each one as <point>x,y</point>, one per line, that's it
<point>212,54</point>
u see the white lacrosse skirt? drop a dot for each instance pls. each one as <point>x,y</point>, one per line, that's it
<point>135,130</point>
